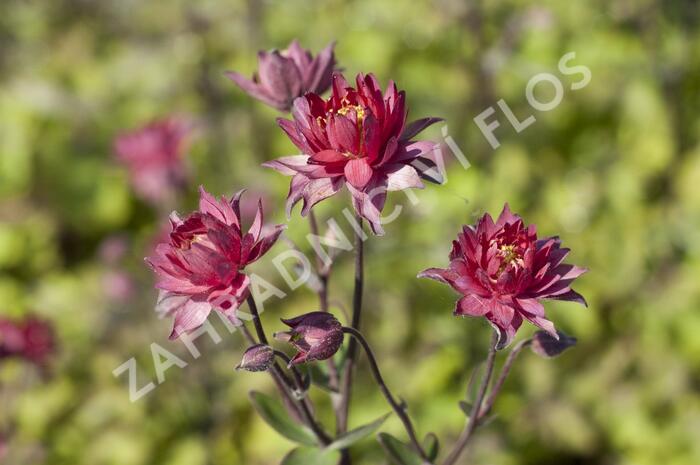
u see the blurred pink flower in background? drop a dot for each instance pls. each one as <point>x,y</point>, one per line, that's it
<point>153,156</point>
<point>117,284</point>
<point>286,75</point>
<point>31,338</point>
<point>112,249</point>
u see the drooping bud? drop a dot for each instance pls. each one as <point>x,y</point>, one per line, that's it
<point>257,358</point>
<point>544,345</point>
<point>315,335</point>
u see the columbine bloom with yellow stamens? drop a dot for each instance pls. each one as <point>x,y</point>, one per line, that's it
<point>503,271</point>
<point>359,138</point>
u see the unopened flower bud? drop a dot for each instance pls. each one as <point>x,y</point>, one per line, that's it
<point>257,358</point>
<point>544,345</point>
<point>315,335</point>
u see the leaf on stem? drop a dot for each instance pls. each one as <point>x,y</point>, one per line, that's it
<point>398,452</point>
<point>310,455</point>
<point>473,384</point>
<point>431,446</point>
<point>274,414</point>
<point>466,407</point>
<point>319,375</point>
<point>351,437</point>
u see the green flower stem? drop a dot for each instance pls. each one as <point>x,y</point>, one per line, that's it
<point>496,389</point>
<point>346,383</point>
<point>474,416</point>
<point>324,276</point>
<point>399,408</point>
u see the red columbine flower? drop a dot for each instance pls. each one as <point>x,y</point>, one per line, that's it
<point>315,335</point>
<point>200,267</point>
<point>153,156</point>
<point>286,75</point>
<point>503,272</point>
<point>357,137</point>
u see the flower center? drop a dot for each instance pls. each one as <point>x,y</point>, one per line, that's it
<point>359,111</point>
<point>509,255</point>
<point>202,239</point>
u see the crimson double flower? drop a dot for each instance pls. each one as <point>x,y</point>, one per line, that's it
<point>200,267</point>
<point>357,138</point>
<point>503,271</point>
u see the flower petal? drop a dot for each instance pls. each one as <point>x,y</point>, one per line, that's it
<point>438,274</point>
<point>506,321</point>
<point>255,90</point>
<point>320,189</point>
<point>428,169</point>
<point>289,166</point>
<point>297,138</point>
<point>267,241</point>
<point>221,210</point>
<point>472,305</point>
<point>190,316</point>
<point>320,72</point>
<point>296,192</point>
<point>369,203</point>
<point>405,177</point>
<point>328,156</point>
<point>257,225</point>
<point>279,76</point>
<point>343,134</point>
<point>358,172</point>
<point>417,126</point>
<point>570,296</point>
<point>408,151</point>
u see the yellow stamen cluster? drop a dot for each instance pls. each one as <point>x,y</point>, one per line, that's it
<point>509,255</point>
<point>359,111</point>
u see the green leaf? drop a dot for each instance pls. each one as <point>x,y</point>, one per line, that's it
<point>351,437</point>
<point>319,375</point>
<point>473,384</point>
<point>275,415</point>
<point>398,452</point>
<point>310,455</point>
<point>466,407</point>
<point>431,446</point>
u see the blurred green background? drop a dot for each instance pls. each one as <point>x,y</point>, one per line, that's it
<point>614,170</point>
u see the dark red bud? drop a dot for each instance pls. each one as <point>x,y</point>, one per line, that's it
<point>544,345</point>
<point>257,358</point>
